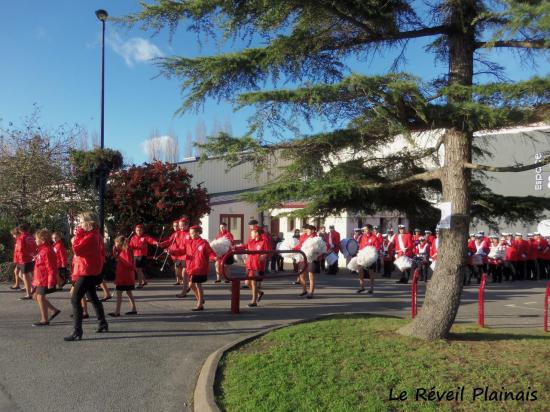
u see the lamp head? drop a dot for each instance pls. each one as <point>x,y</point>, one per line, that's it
<point>101,14</point>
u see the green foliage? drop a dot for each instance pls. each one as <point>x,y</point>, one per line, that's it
<point>6,271</point>
<point>153,194</point>
<point>307,44</point>
<point>88,165</point>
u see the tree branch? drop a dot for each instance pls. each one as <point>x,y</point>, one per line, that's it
<point>524,44</point>
<point>424,177</point>
<point>513,169</point>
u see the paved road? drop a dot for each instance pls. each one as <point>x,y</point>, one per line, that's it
<point>150,362</point>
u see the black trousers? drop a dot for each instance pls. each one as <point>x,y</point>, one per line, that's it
<point>495,271</point>
<point>508,271</point>
<point>544,269</point>
<point>388,268</point>
<point>531,270</point>
<point>519,267</point>
<point>277,263</point>
<point>85,286</point>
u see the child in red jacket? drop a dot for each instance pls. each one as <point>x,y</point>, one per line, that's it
<point>256,263</point>
<point>139,243</point>
<point>61,255</point>
<point>125,275</point>
<point>45,277</point>
<point>198,255</point>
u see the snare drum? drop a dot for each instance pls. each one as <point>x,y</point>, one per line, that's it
<point>331,259</point>
<point>349,247</point>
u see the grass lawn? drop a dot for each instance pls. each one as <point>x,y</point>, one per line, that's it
<point>351,363</point>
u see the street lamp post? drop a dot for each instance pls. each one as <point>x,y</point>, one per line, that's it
<point>102,16</point>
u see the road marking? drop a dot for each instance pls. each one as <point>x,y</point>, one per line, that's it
<point>529,303</point>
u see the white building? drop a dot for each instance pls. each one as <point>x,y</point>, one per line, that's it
<point>515,146</point>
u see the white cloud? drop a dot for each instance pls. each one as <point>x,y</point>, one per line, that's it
<point>161,148</point>
<point>134,50</point>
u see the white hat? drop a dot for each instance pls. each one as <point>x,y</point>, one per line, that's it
<point>536,234</point>
<point>401,226</point>
<point>518,234</point>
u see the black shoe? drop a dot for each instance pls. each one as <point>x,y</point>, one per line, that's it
<point>218,281</point>
<point>296,283</point>
<point>370,291</point>
<point>102,328</point>
<point>26,297</point>
<point>86,316</point>
<point>302,294</point>
<point>77,335</point>
<point>260,295</point>
<point>309,296</point>
<point>252,305</point>
<point>15,287</point>
<point>360,290</point>
<point>54,315</point>
<point>41,324</point>
<point>197,309</point>
<point>114,315</point>
<point>227,281</point>
<point>132,312</point>
<point>106,299</point>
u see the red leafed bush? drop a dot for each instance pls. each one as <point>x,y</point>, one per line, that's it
<point>154,194</point>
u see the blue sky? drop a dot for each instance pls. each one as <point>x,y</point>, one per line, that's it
<point>51,57</point>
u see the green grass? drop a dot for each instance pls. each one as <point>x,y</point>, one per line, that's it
<point>350,363</point>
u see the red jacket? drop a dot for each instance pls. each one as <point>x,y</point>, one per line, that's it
<point>140,244</point>
<point>369,240</point>
<point>305,237</point>
<point>45,267</point>
<point>407,247</point>
<point>433,249</point>
<point>543,249</point>
<point>25,248</point>
<point>256,262</point>
<point>532,251</point>
<point>89,253</point>
<point>169,242</point>
<point>430,239</point>
<point>60,253</point>
<point>125,274</point>
<point>198,253</point>
<point>483,247</point>
<point>333,241</point>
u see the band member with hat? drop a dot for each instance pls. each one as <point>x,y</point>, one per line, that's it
<point>368,239</point>
<point>313,267</point>
<point>224,233</point>
<point>333,242</point>
<point>543,256</point>
<point>404,246</point>
<point>387,250</point>
<point>256,263</point>
<point>422,253</point>
<point>531,267</point>
<point>166,244</point>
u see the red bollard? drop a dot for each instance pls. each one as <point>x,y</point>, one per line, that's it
<point>481,302</point>
<point>416,275</point>
<point>235,295</point>
<point>546,298</point>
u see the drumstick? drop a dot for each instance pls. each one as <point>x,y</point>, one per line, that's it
<point>167,254</point>
<point>157,248</point>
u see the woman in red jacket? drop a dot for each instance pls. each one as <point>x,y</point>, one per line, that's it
<point>89,257</point>
<point>404,246</point>
<point>25,249</point>
<point>139,243</point>
<point>198,255</point>
<point>61,255</point>
<point>45,277</point>
<point>17,275</point>
<point>125,275</point>
<point>256,264</point>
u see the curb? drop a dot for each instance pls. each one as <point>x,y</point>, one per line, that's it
<point>204,399</point>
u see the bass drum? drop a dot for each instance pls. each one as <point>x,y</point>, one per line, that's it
<point>544,228</point>
<point>349,247</point>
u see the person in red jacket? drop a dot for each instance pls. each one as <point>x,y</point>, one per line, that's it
<point>404,247</point>
<point>543,256</point>
<point>139,243</point>
<point>479,249</point>
<point>89,257</point>
<point>422,253</point>
<point>333,245</point>
<point>521,250</point>
<point>387,250</point>
<point>61,255</point>
<point>368,238</point>
<point>417,235</point>
<point>224,233</point>
<point>256,264</point>
<point>198,255</point>
<point>314,266</point>
<point>45,277</point>
<point>25,249</point>
<point>531,269</point>
<point>178,250</point>
<point>125,275</point>
<point>17,275</point>
<point>167,244</point>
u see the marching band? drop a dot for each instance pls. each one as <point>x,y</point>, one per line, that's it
<point>41,262</point>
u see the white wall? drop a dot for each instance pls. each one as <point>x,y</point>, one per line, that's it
<point>210,223</point>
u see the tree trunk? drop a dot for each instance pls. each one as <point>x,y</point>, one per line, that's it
<point>442,299</point>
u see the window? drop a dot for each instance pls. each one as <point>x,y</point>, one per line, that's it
<point>291,224</point>
<point>382,225</point>
<point>235,224</point>
<point>359,222</point>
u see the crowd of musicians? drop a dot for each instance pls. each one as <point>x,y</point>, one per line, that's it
<point>42,265</point>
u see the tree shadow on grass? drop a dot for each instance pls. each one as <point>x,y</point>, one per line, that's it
<point>479,336</point>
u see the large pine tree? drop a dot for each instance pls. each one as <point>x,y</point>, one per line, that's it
<point>306,43</point>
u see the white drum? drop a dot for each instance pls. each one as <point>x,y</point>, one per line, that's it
<point>331,259</point>
<point>349,247</point>
<point>403,263</point>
